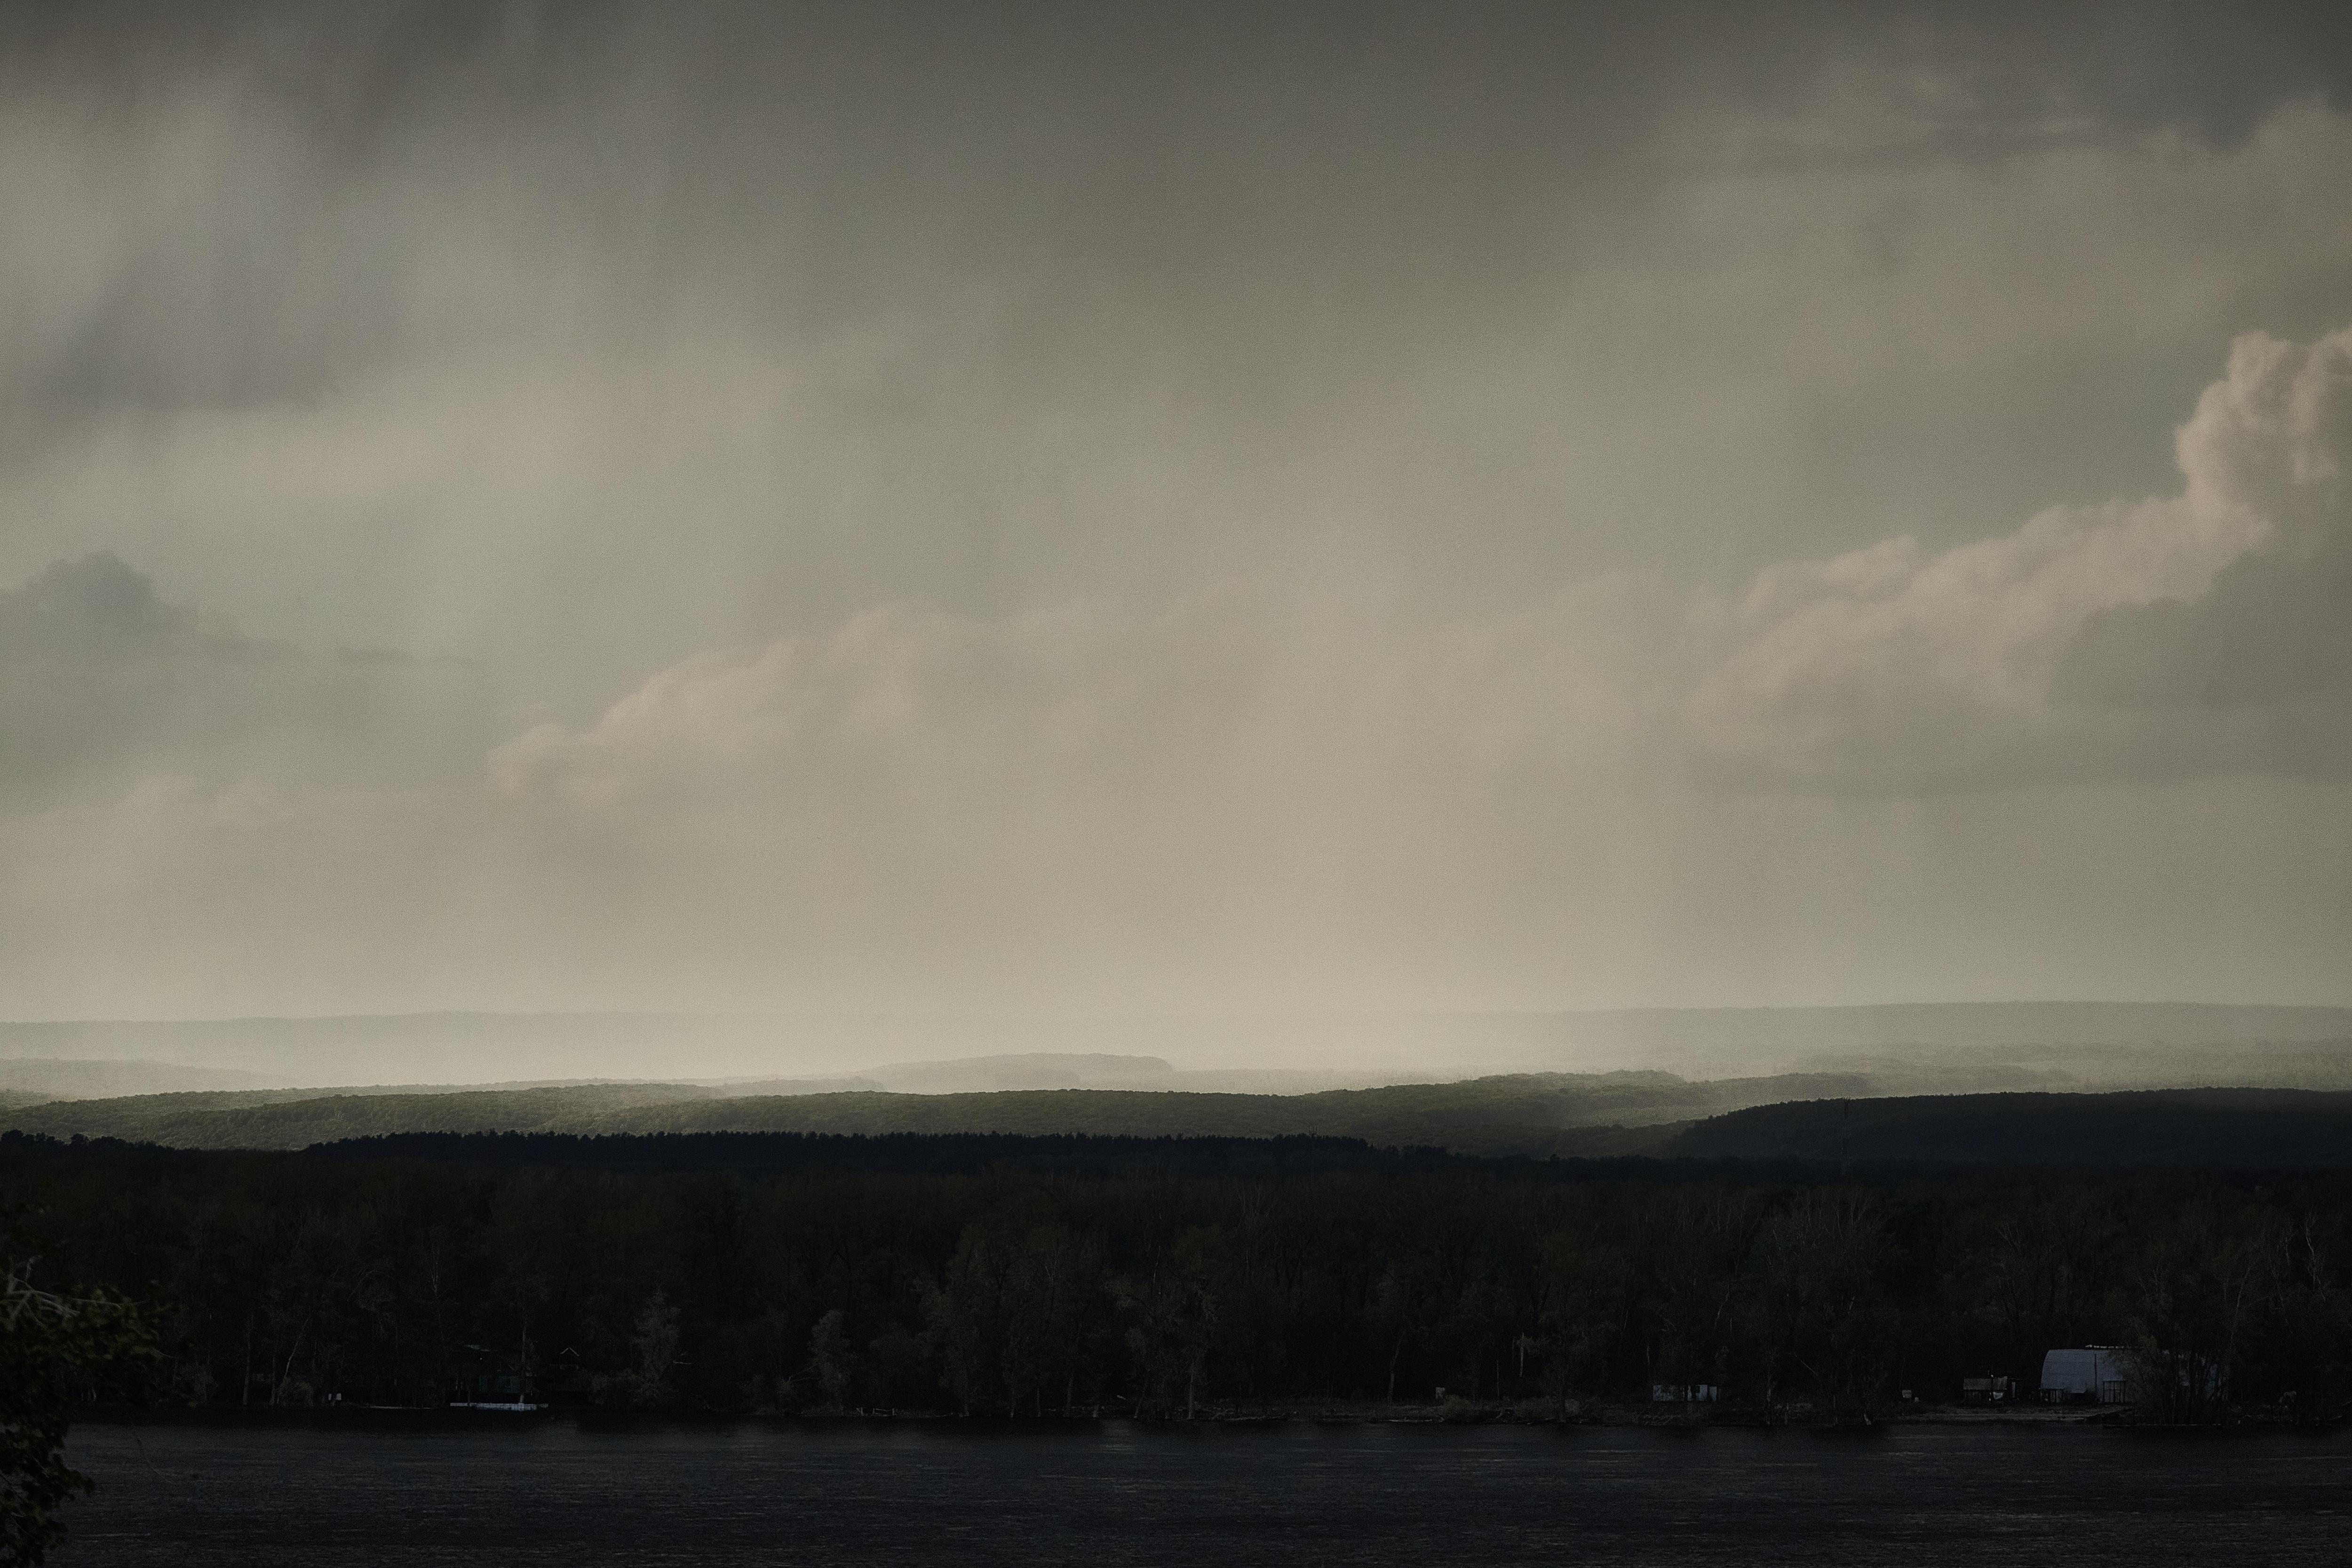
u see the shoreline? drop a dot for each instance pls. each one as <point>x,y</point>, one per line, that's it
<point>1593,1413</point>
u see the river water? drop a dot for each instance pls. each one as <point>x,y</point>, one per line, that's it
<point>523,1490</point>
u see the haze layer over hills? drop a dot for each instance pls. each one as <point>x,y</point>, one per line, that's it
<point>2109,1043</point>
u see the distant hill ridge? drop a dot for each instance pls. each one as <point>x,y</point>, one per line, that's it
<point>1816,1117</point>
<point>49,1079</point>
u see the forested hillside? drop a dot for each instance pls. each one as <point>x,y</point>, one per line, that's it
<point>1531,1113</point>
<point>2239,1129</point>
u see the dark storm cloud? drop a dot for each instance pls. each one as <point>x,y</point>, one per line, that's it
<point>1472,76</point>
<point>1303,188</point>
<point>2216,71</point>
<point>1014,302</point>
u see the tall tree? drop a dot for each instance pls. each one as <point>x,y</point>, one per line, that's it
<point>55,1347</point>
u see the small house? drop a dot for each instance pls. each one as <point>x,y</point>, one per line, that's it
<point>2094,1375</point>
<point>1683,1393</point>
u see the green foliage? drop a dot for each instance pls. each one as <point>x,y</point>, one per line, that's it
<point>831,1363</point>
<point>56,1348</point>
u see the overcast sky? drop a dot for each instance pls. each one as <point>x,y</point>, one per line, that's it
<point>1041,508</point>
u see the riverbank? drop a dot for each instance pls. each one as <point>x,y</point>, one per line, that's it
<point>1545,1413</point>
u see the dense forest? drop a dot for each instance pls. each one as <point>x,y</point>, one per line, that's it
<point>1023,1276</point>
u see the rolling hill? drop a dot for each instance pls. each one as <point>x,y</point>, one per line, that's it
<point>2228,1128</point>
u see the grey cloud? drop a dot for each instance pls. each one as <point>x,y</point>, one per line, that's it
<point>1895,670</point>
<point>103,683</point>
<point>2254,675</point>
<point>93,670</point>
<point>2268,631</point>
<point>1386,492</point>
<point>1265,728</point>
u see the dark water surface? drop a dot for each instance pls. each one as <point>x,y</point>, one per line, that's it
<point>548,1491</point>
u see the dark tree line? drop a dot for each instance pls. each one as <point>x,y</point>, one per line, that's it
<point>1029,1277</point>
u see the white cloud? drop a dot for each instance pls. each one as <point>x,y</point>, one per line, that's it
<point>1894,668</point>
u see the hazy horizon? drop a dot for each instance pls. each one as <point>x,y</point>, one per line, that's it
<point>2095,1042</point>
<point>1063,512</point>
